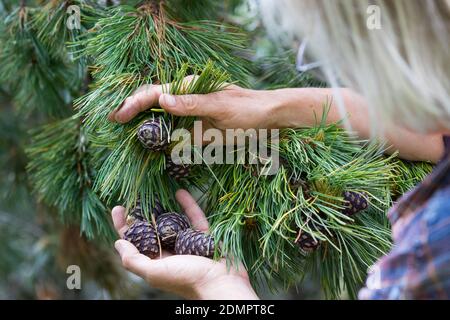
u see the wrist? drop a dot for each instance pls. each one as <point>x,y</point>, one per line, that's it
<point>296,107</point>
<point>280,109</point>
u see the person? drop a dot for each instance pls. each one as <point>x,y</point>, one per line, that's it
<point>392,80</point>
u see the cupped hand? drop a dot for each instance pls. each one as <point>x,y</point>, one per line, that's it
<point>231,108</point>
<point>191,277</point>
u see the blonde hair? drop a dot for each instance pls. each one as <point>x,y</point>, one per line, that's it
<point>402,68</point>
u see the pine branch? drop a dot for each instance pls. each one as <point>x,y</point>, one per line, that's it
<point>130,40</point>
<point>61,172</point>
<point>407,175</point>
<point>130,171</point>
<point>51,20</point>
<point>258,219</point>
<point>280,72</point>
<point>13,180</point>
<point>84,164</point>
<point>134,46</point>
<point>35,79</point>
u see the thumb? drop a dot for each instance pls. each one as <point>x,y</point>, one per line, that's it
<point>188,105</point>
<point>132,260</point>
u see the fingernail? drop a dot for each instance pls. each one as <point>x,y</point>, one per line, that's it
<point>112,116</point>
<point>118,116</point>
<point>168,100</point>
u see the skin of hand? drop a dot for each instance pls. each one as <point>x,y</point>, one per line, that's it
<point>191,277</point>
<point>235,107</point>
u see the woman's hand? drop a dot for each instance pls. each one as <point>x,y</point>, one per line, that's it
<point>232,108</point>
<point>191,277</point>
<point>238,108</point>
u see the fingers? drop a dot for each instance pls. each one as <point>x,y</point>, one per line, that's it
<point>202,105</point>
<point>119,220</point>
<point>210,105</point>
<point>143,98</point>
<point>132,260</point>
<point>192,210</point>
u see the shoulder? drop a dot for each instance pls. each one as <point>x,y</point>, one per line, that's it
<point>437,210</point>
<point>418,266</point>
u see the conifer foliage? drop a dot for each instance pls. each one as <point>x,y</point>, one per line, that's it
<point>296,222</point>
<point>322,213</point>
<point>144,45</point>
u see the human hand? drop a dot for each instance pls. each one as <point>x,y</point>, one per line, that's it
<point>191,277</point>
<point>231,108</point>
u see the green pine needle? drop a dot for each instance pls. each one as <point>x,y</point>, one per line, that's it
<point>61,171</point>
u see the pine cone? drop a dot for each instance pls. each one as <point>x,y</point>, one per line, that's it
<point>154,134</point>
<point>137,212</point>
<point>177,171</point>
<point>195,243</point>
<point>143,236</point>
<point>355,202</point>
<point>307,243</point>
<point>296,183</point>
<point>169,225</point>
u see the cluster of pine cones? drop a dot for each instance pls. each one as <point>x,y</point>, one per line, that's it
<point>172,232</point>
<point>154,134</point>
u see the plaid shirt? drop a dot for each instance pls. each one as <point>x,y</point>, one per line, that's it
<point>418,266</point>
